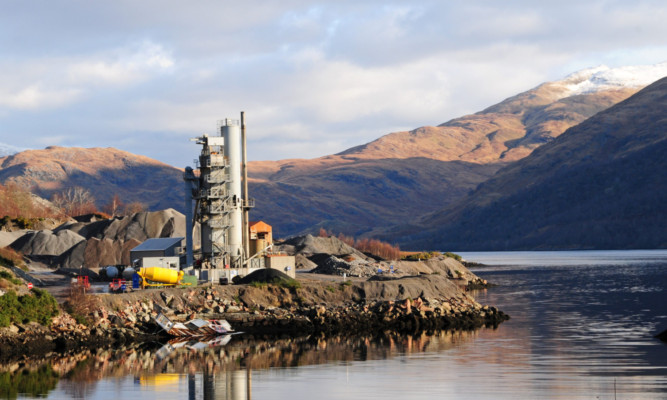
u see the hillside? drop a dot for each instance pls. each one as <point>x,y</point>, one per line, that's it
<point>601,185</point>
<point>103,171</point>
<point>507,131</point>
<point>401,176</point>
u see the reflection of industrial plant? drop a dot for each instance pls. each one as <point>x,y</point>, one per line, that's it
<point>229,385</point>
<point>221,369</point>
<point>217,199</point>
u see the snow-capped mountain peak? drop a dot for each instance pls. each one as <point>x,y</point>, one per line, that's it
<point>600,78</point>
<point>8,150</point>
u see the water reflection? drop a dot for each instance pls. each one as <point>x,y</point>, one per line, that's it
<point>220,368</point>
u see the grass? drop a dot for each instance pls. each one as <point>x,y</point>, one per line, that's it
<point>291,284</point>
<point>426,255</point>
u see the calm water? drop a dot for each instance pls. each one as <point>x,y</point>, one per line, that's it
<point>582,327</point>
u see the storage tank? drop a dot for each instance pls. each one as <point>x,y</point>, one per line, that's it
<point>127,273</point>
<point>111,271</point>
<point>232,136</point>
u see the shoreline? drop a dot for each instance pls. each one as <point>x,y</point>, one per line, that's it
<point>431,303</point>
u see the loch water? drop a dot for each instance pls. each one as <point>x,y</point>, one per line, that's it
<point>582,326</point>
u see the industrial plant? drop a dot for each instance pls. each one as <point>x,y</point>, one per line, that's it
<point>217,206</point>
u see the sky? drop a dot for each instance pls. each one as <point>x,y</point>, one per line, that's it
<point>314,78</point>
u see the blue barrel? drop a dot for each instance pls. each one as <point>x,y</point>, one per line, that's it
<point>136,281</point>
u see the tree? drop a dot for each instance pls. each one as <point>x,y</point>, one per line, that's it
<point>134,207</point>
<point>114,207</point>
<point>75,201</point>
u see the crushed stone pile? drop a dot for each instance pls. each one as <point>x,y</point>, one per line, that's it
<point>309,245</point>
<point>332,265</point>
<point>46,242</point>
<point>92,242</point>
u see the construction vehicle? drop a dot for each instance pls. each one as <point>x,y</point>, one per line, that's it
<point>160,277</point>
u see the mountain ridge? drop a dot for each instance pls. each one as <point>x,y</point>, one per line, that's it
<point>602,184</point>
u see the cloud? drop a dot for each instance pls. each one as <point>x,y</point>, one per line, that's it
<point>53,82</point>
<point>314,79</point>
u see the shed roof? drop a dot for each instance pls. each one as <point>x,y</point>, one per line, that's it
<point>157,244</point>
<point>259,226</point>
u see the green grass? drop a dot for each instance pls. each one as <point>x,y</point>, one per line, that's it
<point>291,284</point>
<point>453,255</point>
<point>257,284</point>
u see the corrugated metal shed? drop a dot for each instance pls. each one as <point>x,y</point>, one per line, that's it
<point>158,244</point>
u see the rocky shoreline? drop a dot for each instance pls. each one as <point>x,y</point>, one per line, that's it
<point>431,303</point>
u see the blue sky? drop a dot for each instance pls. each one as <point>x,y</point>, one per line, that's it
<point>314,78</point>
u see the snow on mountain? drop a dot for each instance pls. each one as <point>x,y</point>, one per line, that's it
<point>8,150</point>
<point>600,78</point>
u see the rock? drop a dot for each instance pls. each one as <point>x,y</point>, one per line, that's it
<point>131,318</point>
<point>168,298</point>
<point>13,329</point>
<point>233,309</point>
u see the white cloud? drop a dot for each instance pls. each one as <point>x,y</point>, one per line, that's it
<point>36,97</point>
<point>314,79</point>
<point>47,83</point>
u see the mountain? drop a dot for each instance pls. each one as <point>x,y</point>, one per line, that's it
<point>353,196</point>
<point>600,185</point>
<point>510,130</point>
<point>403,175</point>
<point>103,171</point>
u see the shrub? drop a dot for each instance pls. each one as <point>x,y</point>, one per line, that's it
<point>10,257</point>
<point>453,255</point>
<point>9,277</point>
<point>426,255</point>
<point>80,305</point>
<point>37,306</point>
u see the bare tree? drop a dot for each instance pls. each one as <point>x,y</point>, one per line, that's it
<point>134,207</point>
<point>114,207</point>
<point>75,201</point>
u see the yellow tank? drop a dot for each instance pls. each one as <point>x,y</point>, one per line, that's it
<point>161,275</point>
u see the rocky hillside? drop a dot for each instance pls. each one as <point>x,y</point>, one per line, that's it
<point>103,171</point>
<point>602,184</point>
